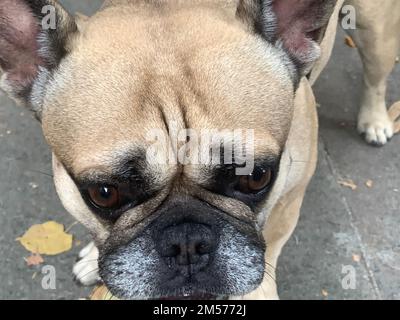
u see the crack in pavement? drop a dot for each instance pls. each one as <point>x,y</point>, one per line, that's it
<point>364,252</point>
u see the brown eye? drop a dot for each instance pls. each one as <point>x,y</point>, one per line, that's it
<point>105,197</point>
<point>255,182</point>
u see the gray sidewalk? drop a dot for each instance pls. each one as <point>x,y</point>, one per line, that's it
<point>338,227</point>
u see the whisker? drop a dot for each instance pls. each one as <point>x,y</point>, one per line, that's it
<point>85,275</point>
<point>109,294</point>
<point>85,261</point>
<point>270,265</point>
<point>269,275</point>
<point>43,173</point>
<point>71,226</point>
<point>299,161</point>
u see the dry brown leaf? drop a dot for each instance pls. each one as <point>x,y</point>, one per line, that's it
<point>394,114</point>
<point>348,183</point>
<point>356,258</point>
<point>34,260</point>
<point>350,42</point>
<point>102,293</point>
<point>48,238</point>
<point>369,184</point>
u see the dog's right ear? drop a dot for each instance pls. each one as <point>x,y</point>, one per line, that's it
<point>295,26</point>
<point>34,38</point>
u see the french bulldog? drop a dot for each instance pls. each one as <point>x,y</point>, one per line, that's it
<point>164,227</point>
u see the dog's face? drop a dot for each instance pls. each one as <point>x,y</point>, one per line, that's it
<point>166,226</point>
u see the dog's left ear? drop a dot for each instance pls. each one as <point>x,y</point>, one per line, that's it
<point>296,26</point>
<point>34,37</point>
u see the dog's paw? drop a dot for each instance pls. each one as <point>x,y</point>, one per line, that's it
<point>86,270</point>
<point>376,127</point>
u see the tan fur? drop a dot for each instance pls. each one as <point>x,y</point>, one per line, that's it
<point>176,74</point>
<point>190,61</point>
<point>174,79</point>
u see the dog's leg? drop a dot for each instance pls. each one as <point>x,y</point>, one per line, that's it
<point>378,41</point>
<point>279,228</point>
<point>86,270</point>
<point>373,119</point>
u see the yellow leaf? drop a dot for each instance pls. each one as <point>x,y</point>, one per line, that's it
<point>48,238</point>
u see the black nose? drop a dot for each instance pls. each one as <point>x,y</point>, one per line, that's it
<point>187,245</point>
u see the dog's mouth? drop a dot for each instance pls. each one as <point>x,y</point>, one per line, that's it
<point>194,296</point>
<point>191,294</point>
<point>188,259</point>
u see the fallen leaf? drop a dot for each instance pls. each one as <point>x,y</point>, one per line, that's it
<point>350,42</point>
<point>394,114</point>
<point>102,293</point>
<point>48,238</point>
<point>356,258</point>
<point>34,260</point>
<point>324,293</point>
<point>348,183</point>
<point>369,184</point>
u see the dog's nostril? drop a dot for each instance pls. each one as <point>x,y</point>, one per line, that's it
<point>171,250</point>
<point>187,244</point>
<point>175,250</point>
<point>203,248</point>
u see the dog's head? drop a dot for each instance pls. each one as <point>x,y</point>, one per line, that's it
<point>127,100</point>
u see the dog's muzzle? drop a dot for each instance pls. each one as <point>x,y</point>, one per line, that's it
<point>190,250</point>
